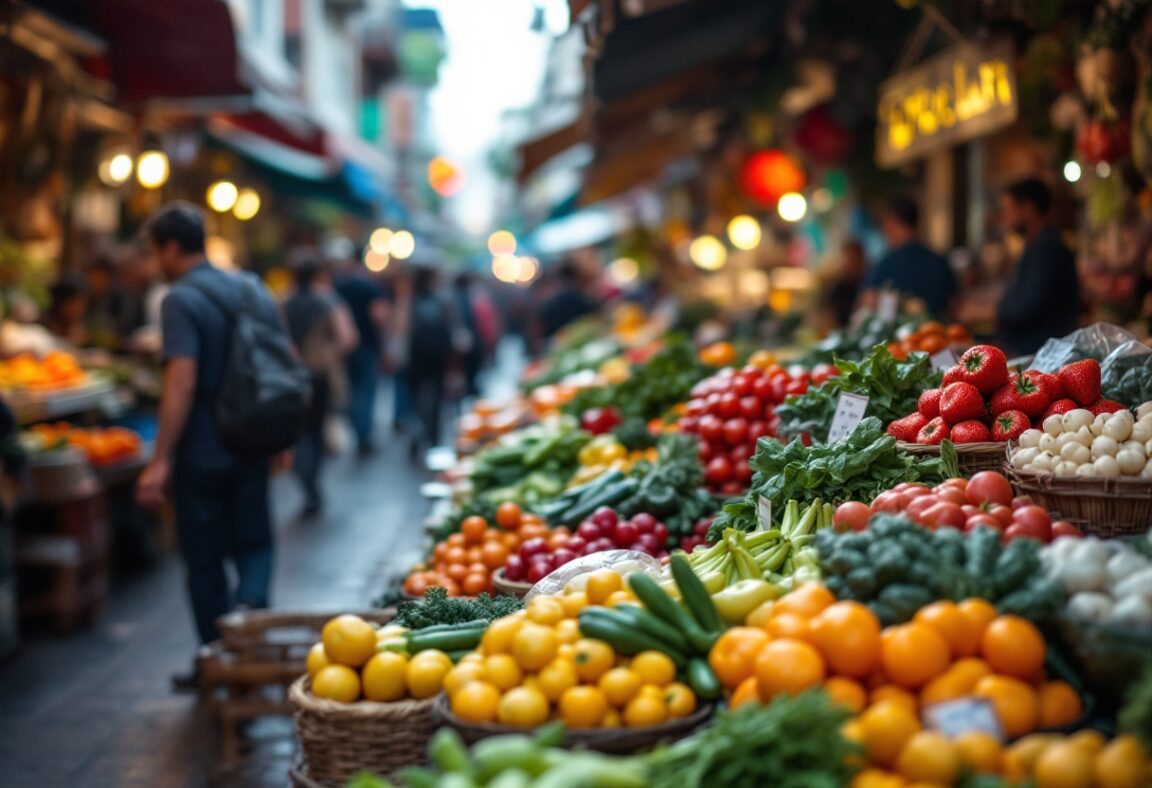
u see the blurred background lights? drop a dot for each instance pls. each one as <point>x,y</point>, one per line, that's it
<point>506,267</point>
<point>222,195</point>
<point>708,253</point>
<point>822,200</point>
<point>623,270</point>
<point>375,261</point>
<point>501,242</point>
<point>247,204</point>
<point>1072,171</point>
<point>152,169</point>
<point>380,240</point>
<point>792,207</point>
<point>116,169</point>
<point>527,270</point>
<point>1103,169</point>
<point>445,176</point>
<point>744,232</point>
<point>402,245</point>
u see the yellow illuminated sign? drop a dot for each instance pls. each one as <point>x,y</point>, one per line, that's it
<point>963,93</point>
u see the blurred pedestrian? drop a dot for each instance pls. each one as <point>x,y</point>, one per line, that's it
<point>432,327</point>
<point>477,316</point>
<point>368,305</point>
<point>844,291</point>
<point>68,310</point>
<point>567,304</point>
<point>1042,297</point>
<point>324,335</point>
<point>910,267</point>
<point>220,499</point>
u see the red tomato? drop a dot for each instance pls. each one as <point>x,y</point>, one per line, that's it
<point>732,488</point>
<point>719,470</point>
<point>763,389</point>
<point>742,472</point>
<point>711,428</point>
<point>918,506</point>
<point>952,495</point>
<point>1064,528</point>
<point>742,385</point>
<point>916,491</point>
<point>890,502</point>
<point>1035,520</point>
<point>1001,513</point>
<point>708,450</point>
<point>758,430</point>
<point>970,510</point>
<point>1021,500</point>
<point>740,454</point>
<point>796,387</point>
<point>728,406</point>
<point>945,514</point>
<point>989,487</point>
<point>983,518</point>
<point>751,407</point>
<point>906,486</point>
<point>958,483</point>
<point>695,407</point>
<point>1019,530</point>
<point>736,431</point>
<point>851,516</point>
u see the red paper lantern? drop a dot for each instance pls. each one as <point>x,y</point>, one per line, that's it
<point>767,174</point>
<point>821,139</point>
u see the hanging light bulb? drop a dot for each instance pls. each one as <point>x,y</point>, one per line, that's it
<point>247,204</point>
<point>152,169</point>
<point>1072,171</point>
<point>744,232</point>
<point>116,169</point>
<point>792,207</point>
<point>708,253</point>
<point>222,195</point>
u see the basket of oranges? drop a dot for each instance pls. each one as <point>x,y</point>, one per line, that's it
<point>361,708</point>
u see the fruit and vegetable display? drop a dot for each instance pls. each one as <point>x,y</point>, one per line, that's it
<point>1108,582</point>
<point>530,465</point>
<point>901,339</point>
<point>102,446</point>
<point>56,370</point>
<point>732,410</point>
<point>1080,443</point>
<point>892,386</point>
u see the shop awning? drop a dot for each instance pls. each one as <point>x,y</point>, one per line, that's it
<point>537,152</point>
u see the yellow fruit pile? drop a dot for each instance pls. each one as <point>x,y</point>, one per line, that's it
<point>533,666</point>
<point>55,371</point>
<point>345,665</point>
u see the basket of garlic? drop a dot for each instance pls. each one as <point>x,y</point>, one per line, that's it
<point>1095,470</point>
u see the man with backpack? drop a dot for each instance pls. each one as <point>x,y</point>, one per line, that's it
<point>234,395</point>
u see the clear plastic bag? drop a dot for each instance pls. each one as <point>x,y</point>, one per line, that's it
<point>1125,361</point>
<point>575,573</point>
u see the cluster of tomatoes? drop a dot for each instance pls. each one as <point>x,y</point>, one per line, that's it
<point>733,409</point>
<point>930,338</point>
<point>465,561</point>
<point>985,499</point>
<point>604,530</point>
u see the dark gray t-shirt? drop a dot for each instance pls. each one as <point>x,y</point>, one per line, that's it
<point>194,327</point>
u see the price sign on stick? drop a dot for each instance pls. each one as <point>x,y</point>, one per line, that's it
<point>850,410</point>
<point>943,360</point>
<point>763,514</point>
<point>957,717</point>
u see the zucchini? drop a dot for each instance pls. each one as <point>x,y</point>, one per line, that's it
<point>461,638</point>
<point>663,606</point>
<point>702,680</point>
<point>655,627</point>
<point>608,496</point>
<point>695,595</point>
<point>620,634</point>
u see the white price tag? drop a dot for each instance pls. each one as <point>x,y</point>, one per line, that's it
<point>943,360</point>
<point>888,305</point>
<point>763,514</point>
<point>956,717</point>
<point>850,410</point>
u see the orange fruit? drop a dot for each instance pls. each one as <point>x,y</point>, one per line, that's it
<point>945,617</point>
<point>497,638</point>
<point>349,640</point>
<point>654,667</point>
<point>620,685</point>
<point>913,654</point>
<point>945,687</point>
<point>788,666</point>
<point>928,756</point>
<point>789,625</point>
<point>886,729</point>
<point>473,529</point>
<point>509,515</point>
<point>1063,764</point>
<point>968,671</point>
<point>456,678</point>
<point>979,751</point>
<point>476,702</point>
<point>593,658</point>
<point>602,584</point>
<point>336,682</point>
<point>385,677</point>
<point>534,646</point>
<point>747,692</point>
<point>494,554</point>
<point>847,693</point>
<point>848,636</point>
<point>573,603</point>
<point>1015,702</point>
<point>474,584</point>
<point>1013,646</point>
<point>1059,704</point>
<point>806,601</point>
<point>680,700</point>
<point>734,654</point>
<point>897,695</point>
<point>583,707</point>
<point>523,707</point>
<point>978,614</point>
<point>316,659</point>
<point>546,610</point>
<point>1090,739</point>
<point>646,709</point>
<point>502,671</point>
<point>1123,764</point>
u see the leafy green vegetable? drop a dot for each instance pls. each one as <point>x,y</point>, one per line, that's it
<point>1136,716</point>
<point>671,488</point>
<point>857,342</point>
<point>653,387</point>
<point>892,387</point>
<point>531,464</point>
<point>794,742</point>
<point>438,608</point>
<point>858,468</point>
<point>633,434</point>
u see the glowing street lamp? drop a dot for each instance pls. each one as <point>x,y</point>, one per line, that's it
<point>152,169</point>
<point>744,232</point>
<point>708,253</point>
<point>222,195</point>
<point>247,204</point>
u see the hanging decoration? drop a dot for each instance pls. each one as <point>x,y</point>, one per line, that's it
<point>822,139</point>
<point>768,174</point>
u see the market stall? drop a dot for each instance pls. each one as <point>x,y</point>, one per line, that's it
<point>713,564</point>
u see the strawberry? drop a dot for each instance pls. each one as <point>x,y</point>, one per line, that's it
<point>985,367</point>
<point>929,404</point>
<point>1009,424</point>
<point>1029,391</point>
<point>933,432</point>
<point>952,375</point>
<point>1105,406</point>
<point>1081,381</point>
<point>960,402</point>
<point>907,428</point>
<point>1059,406</point>
<point>970,431</point>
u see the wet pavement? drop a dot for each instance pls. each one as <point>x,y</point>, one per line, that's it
<point>94,709</point>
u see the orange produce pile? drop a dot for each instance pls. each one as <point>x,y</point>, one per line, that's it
<point>932,337</point>
<point>101,446</point>
<point>464,562</point>
<point>888,676</point>
<point>55,371</point>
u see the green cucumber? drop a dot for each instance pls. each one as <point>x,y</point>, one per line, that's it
<point>446,640</point>
<point>663,606</point>
<point>695,595</point>
<point>618,633</point>
<point>656,627</point>
<point>702,680</point>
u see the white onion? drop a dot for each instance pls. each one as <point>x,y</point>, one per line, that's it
<point>1030,439</point>
<point>1054,424</point>
<point>1106,466</point>
<point>1104,446</point>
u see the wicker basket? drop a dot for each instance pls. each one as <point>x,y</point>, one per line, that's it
<point>971,457</point>
<point>614,741</point>
<point>502,585</point>
<point>340,740</point>
<point>1098,506</point>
